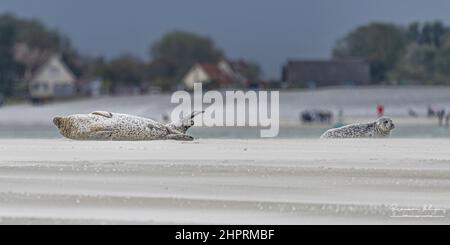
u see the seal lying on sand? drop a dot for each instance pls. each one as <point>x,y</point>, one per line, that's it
<point>102,125</point>
<point>380,128</point>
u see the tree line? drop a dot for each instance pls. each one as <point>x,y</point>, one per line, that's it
<point>170,58</point>
<point>418,53</point>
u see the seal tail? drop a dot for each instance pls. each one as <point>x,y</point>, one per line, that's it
<point>184,124</point>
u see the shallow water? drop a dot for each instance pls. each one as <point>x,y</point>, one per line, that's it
<point>239,132</point>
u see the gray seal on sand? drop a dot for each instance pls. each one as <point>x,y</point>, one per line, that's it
<point>103,125</point>
<point>380,128</point>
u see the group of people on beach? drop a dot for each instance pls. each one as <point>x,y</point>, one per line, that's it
<point>442,115</point>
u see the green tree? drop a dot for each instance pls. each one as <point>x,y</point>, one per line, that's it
<point>413,32</point>
<point>432,34</point>
<point>177,51</point>
<point>424,64</point>
<point>9,69</point>
<point>124,70</point>
<point>381,44</point>
<point>415,66</point>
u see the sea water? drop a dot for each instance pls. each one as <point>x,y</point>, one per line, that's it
<point>40,132</point>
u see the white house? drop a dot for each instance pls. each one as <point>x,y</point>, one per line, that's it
<point>52,79</point>
<point>213,75</point>
<point>195,75</point>
<point>207,74</point>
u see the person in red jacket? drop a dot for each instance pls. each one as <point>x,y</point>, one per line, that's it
<point>380,110</point>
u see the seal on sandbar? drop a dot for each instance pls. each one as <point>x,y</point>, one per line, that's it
<point>103,125</point>
<point>380,128</point>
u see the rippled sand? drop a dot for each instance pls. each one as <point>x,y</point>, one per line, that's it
<point>225,182</point>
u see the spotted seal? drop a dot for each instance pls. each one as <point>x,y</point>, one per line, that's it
<point>103,125</point>
<point>380,128</point>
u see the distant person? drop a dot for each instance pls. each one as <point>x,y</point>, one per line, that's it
<point>2,100</point>
<point>412,113</point>
<point>380,110</point>
<point>306,117</point>
<point>447,118</point>
<point>440,115</point>
<point>430,111</point>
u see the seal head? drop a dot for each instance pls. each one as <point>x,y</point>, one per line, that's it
<point>384,125</point>
<point>71,126</point>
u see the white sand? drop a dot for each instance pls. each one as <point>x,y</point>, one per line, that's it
<point>222,181</point>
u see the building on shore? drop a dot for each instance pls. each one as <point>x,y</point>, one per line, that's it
<point>224,74</point>
<point>46,75</point>
<point>321,73</point>
<point>52,80</point>
<point>209,75</point>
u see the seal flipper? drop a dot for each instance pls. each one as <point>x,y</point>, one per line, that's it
<point>102,135</point>
<point>183,137</point>
<point>184,124</point>
<point>106,114</point>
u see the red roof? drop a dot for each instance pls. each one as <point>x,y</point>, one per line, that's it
<point>216,74</point>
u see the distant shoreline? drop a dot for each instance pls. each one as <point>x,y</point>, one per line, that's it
<point>400,121</point>
<point>357,104</point>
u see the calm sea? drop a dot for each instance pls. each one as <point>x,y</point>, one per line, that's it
<point>238,132</point>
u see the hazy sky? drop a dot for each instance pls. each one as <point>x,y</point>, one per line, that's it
<point>268,32</point>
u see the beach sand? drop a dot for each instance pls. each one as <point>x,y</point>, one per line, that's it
<point>258,181</point>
